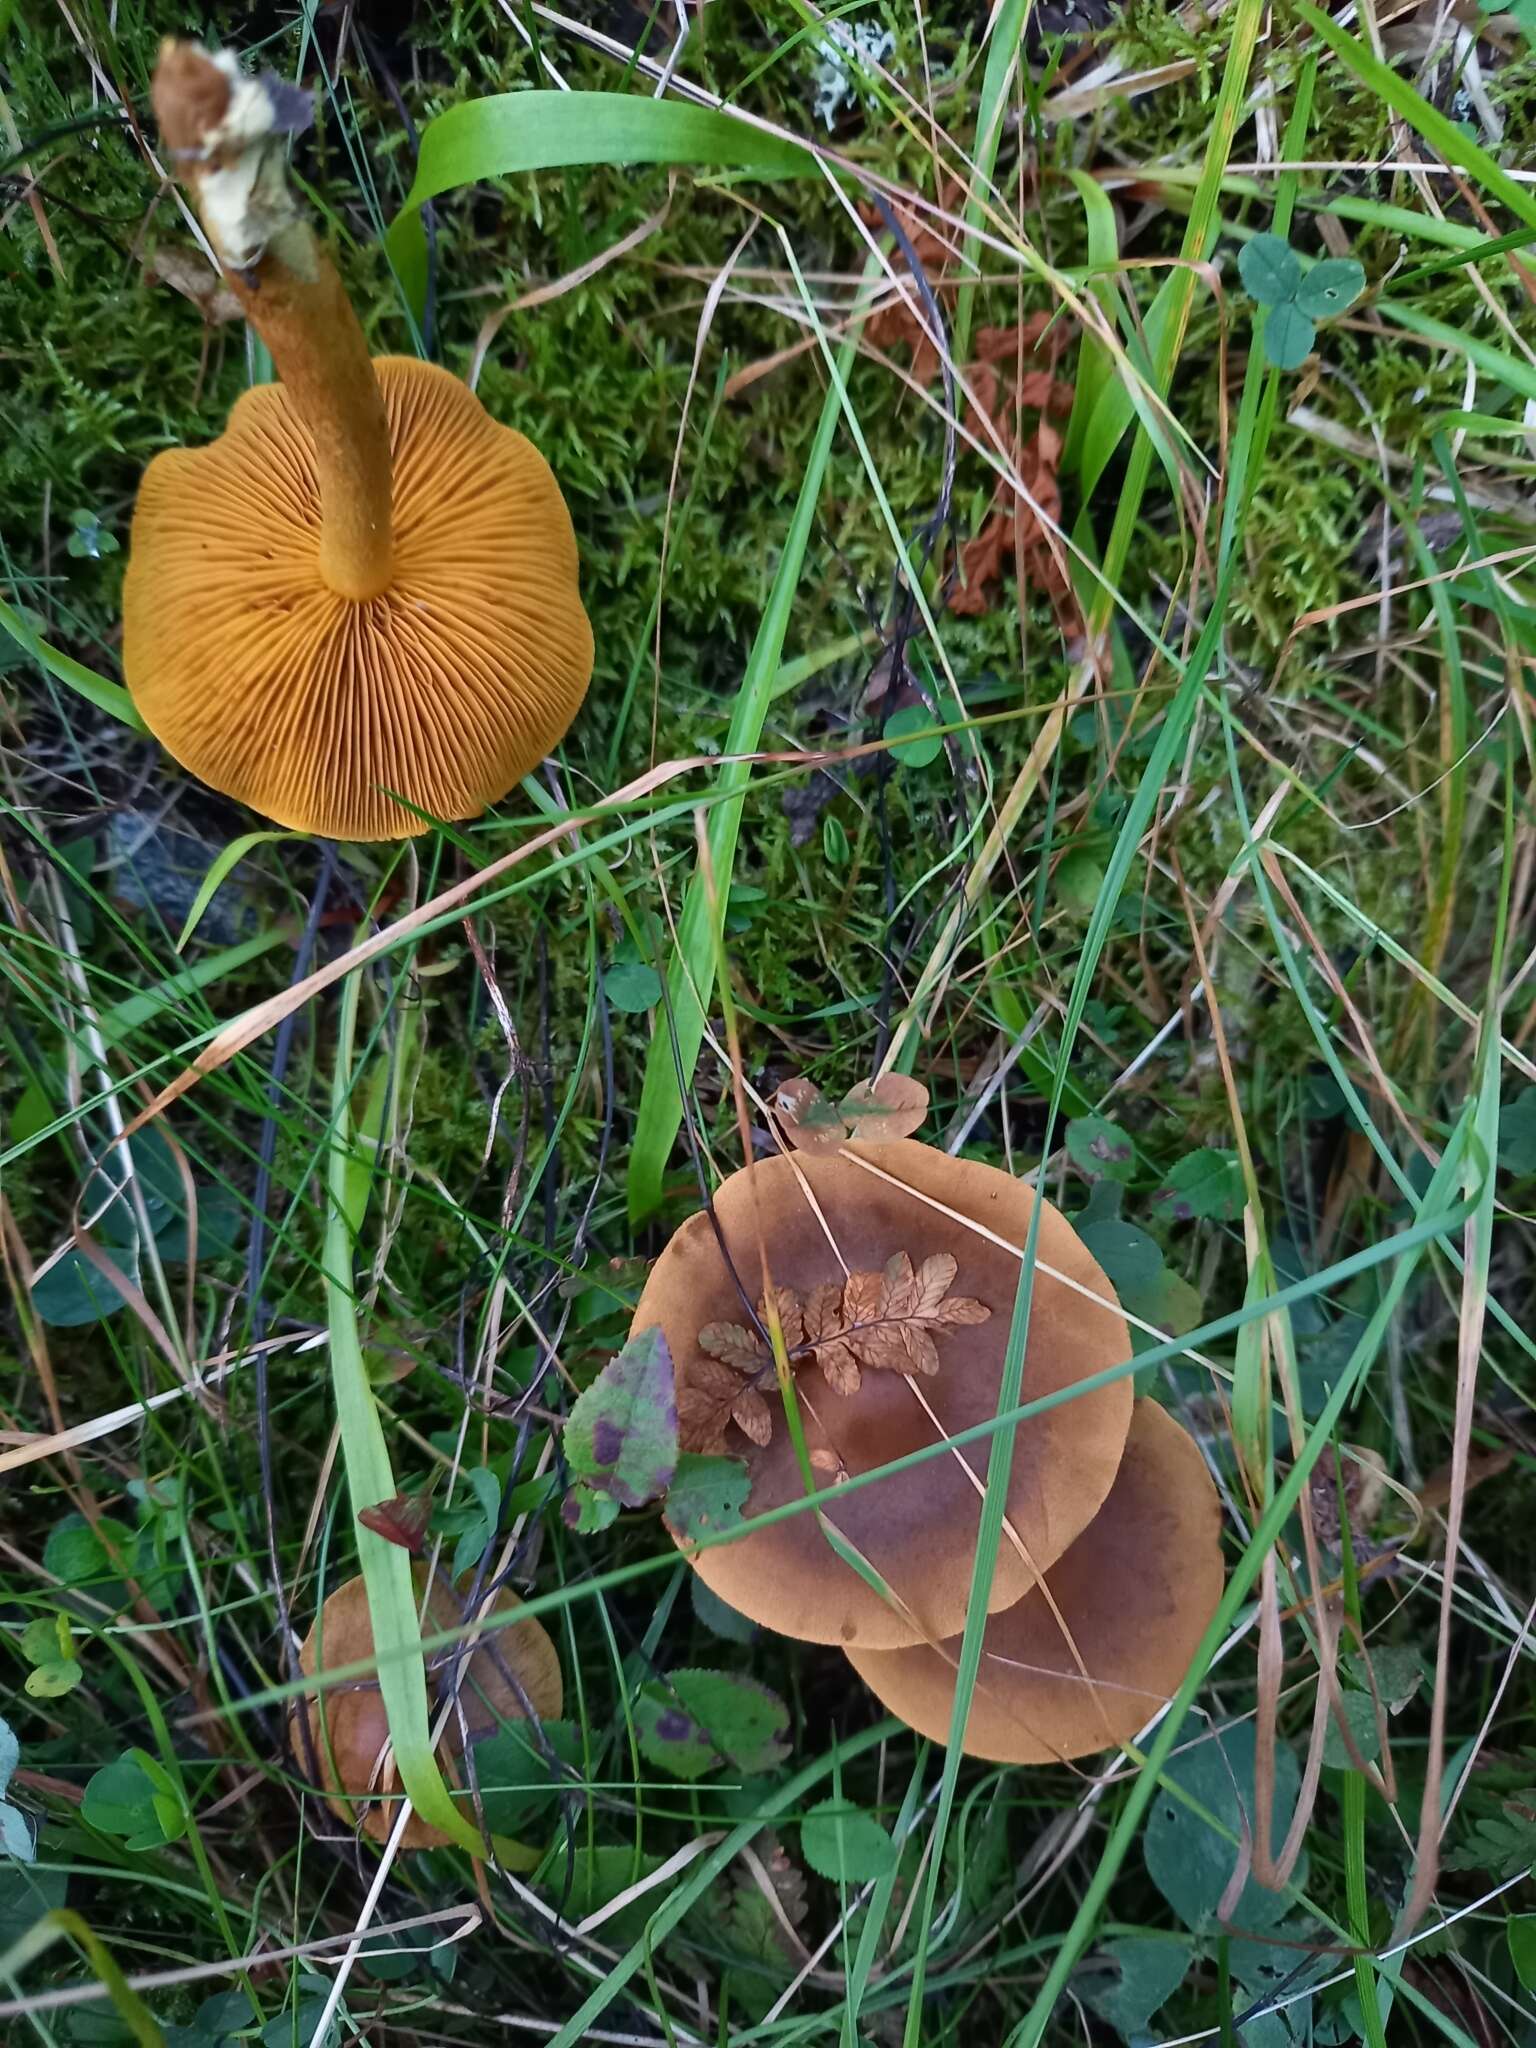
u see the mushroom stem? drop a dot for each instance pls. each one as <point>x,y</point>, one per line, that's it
<point>227,133</point>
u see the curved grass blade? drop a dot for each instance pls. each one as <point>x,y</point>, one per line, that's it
<point>74,675</point>
<point>386,1568</point>
<point>508,132</point>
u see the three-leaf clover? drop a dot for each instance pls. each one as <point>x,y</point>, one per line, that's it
<point>1296,299</point>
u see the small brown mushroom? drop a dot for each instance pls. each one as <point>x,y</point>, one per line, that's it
<point>1136,1592</point>
<point>873,1385</point>
<point>348,1729</point>
<point>366,590</point>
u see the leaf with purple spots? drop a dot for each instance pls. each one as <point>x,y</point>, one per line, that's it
<point>621,1436</point>
<point>693,1722</point>
<point>1206,1183</point>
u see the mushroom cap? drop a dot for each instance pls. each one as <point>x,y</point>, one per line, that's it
<point>1136,1590</point>
<point>918,1528</point>
<point>359,1760</point>
<point>312,707</point>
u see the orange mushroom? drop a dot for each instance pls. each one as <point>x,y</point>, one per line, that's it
<point>366,590</point>
<point>1132,1597</point>
<point>348,1732</point>
<point>901,1266</point>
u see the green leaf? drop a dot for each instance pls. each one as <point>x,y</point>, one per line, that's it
<point>1360,1717</point>
<point>1131,1260</point>
<point>128,1799</point>
<point>622,1431</point>
<point>845,1844</point>
<point>15,1835</point>
<point>913,753</point>
<point>1100,1147</point>
<point>719,1616</point>
<point>1330,287</point>
<point>25,1896</point>
<point>707,1495</point>
<point>73,1293</point>
<point>1517,1125</point>
<point>1147,1970</point>
<point>597,1876</point>
<point>217,2019</point>
<point>44,1641</point>
<point>1288,337</point>
<point>1399,1671</point>
<point>587,1511</point>
<point>834,842</point>
<point>51,1681</point>
<point>1206,1183</point>
<point>1077,881</point>
<point>632,986</point>
<point>1168,1301</point>
<point>1188,1860</point>
<point>510,133</point>
<point>1503,1845</point>
<point>516,1778</point>
<point>698,1721</point>
<point>477,1533</point>
<point>1520,1928</point>
<point>1270,270</point>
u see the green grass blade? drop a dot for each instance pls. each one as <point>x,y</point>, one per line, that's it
<point>74,675</point>
<point>223,866</point>
<point>1443,135</point>
<point>1031,2030</point>
<point>1003,51</point>
<point>386,1568</point>
<point>691,977</point>
<point>511,132</point>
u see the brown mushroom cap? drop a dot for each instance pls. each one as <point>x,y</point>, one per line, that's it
<point>919,1527</point>
<point>312,707</point>
<point>358,1760</point>
<point>1136,1590</point>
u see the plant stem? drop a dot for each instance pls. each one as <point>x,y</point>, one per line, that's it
<point>224,130</point>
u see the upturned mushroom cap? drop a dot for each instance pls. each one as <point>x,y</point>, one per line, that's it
<point>313,707</point>
<point>918,1528</point>
<point>347,1724</point>
<point>1136,1590</point>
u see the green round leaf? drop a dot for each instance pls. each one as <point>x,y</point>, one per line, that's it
<point>631,986</point>
<point>695,1721</point>
<point>1288,337</point>
<point>707,1494</point>
<point>1131,1260</point>
<point>1270,270</point>
<point>915,753</point>
<point>719,1616</point>
<point>844,1844</point>
<point>1077,881</point>
<point>1205,1183</point>
<point>1188,1859</point>
<point>53,1680</point>
<point>1100,1148</point>
<point>1517,1133</point>
<point>622,1431</point>
<point>1330,287</point>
